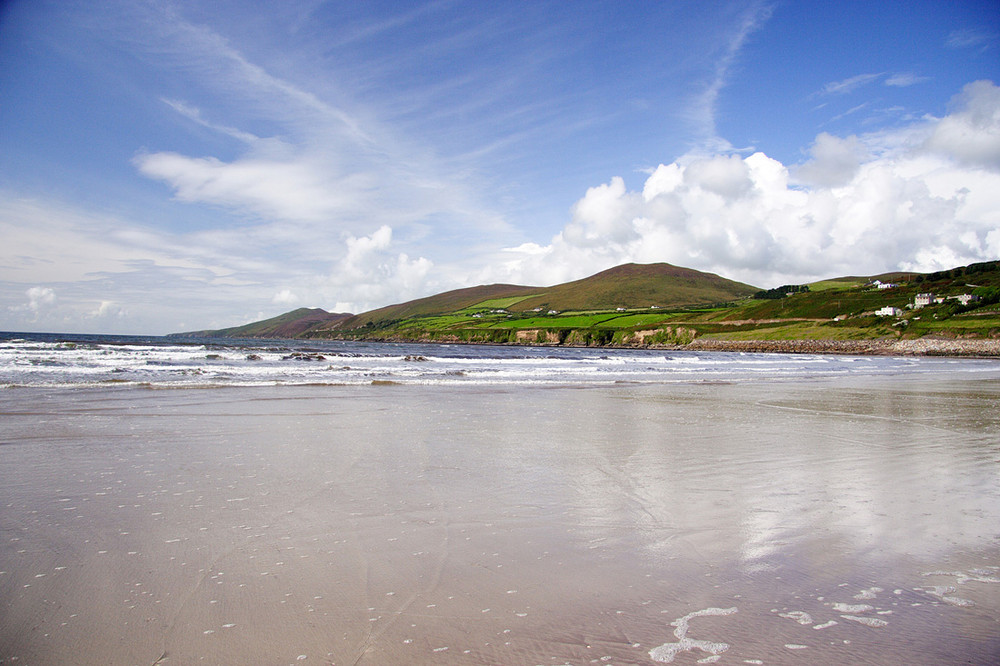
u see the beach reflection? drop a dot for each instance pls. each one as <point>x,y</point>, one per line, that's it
<point>880,473</point>
<point>827,521</point>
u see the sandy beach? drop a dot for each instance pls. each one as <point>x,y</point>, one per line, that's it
<point>850,520</point>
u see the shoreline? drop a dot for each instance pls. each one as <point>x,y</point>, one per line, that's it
<point>957,347</point>
<point>980,348</point>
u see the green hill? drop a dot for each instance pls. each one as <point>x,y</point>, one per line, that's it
<point>660,304</point>
<point>627,286</point>
<point>639,286</point>
<point>292,324</point>
<point>449,301</point>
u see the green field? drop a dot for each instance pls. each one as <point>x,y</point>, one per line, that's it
<point>495,304</point>
<point>839,309</point>
<point>614,308</point>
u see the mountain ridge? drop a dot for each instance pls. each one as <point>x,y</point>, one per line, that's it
<point>660,305</point>
<point>628,285</point>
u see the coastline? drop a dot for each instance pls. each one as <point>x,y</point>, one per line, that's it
<point>958,347</point>
<point>984,348</point>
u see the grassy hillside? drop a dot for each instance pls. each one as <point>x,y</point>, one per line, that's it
<point>629,286</point>
<point>660,304</point>
<point>292,324</point>
<point>450,301</point>
<point>638,286</point>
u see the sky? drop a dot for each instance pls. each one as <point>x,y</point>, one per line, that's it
<point>172,165</point>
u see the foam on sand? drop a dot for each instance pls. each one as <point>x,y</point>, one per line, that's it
<point>666,652</point>
<point>801,617</point>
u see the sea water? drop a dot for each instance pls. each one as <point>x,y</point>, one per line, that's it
<point>166,501</point>
<point>75,360</point>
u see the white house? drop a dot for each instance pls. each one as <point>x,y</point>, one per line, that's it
<point>964,299</point>
<point>921,300</point>
<point>889,311</point>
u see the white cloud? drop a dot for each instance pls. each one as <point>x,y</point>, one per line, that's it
<point>372,274</point>
<point>727,176</point>
<point>128,278</point>
<point>905,79</point>
<point>285,297</point>
<point>918,198</point>
<point>109,309</point>
<point>971,38</point>
<point>40,302</point>
<point>850,84</point>
<point>40,297</point>
<point>194,114</point>
<point>292,189</point>
<point>834,161</point>
<point>971,134</point>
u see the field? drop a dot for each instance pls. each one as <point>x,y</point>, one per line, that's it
<point>659,304</point>
<point>838,309</point>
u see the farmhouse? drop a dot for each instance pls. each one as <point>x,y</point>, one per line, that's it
<point>889,311</point>
<point>964,299</point>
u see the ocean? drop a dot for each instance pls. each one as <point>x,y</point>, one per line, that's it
<point>65,361</point>
<point>180,501</point>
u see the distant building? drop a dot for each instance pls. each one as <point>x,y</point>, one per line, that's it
<point>923,300</point>
<point>889,311</point>
<point>964,299</point>
<point>885,285</point>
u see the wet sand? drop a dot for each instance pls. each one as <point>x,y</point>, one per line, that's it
<point>837,521</point>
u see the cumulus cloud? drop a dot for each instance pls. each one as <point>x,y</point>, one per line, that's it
<point>925,197</point>
<point>40,297</point>
<point>40,301</point>
<point>372,274</point>
<point>108,309</point>
<point>727,176</point>
<point>971,133</point>
<point>285,297</point>
<point>835,161</point>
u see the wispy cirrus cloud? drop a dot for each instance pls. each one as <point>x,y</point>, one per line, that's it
<point>905,79</point>
<point>343,170</point>
<point>851,84</point>
<point>702,109</point>
<point>971,38</point>
<point>194,114</point>
<point>859,81</point>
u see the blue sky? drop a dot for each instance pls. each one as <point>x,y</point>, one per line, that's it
<point>173,165</point>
